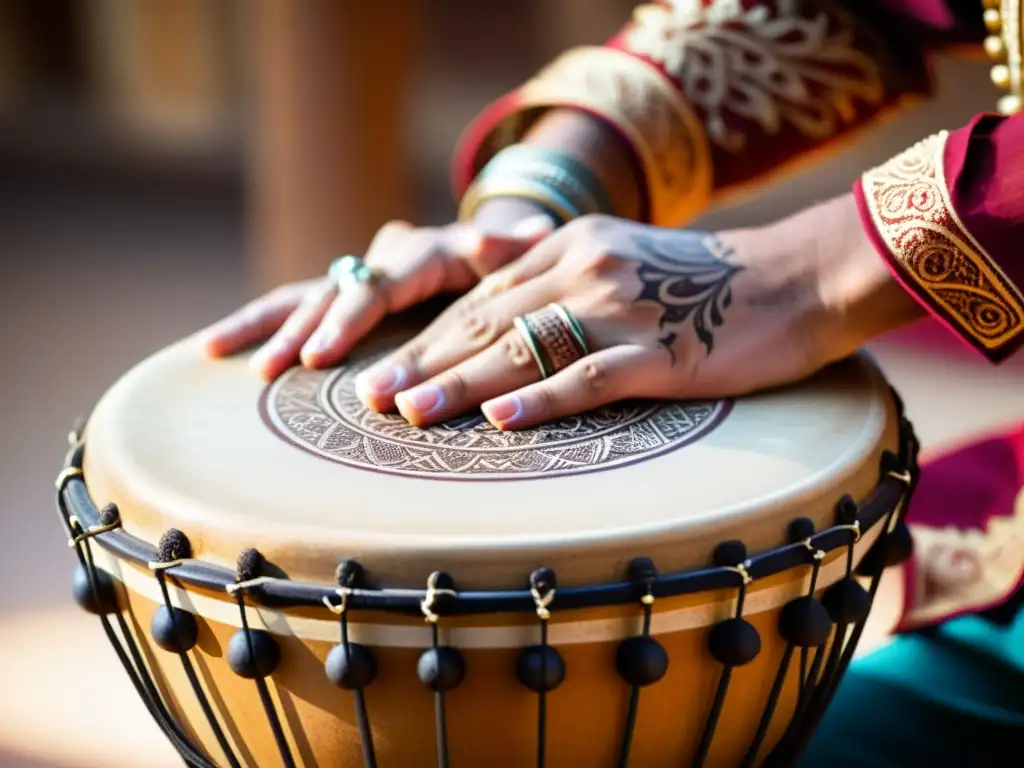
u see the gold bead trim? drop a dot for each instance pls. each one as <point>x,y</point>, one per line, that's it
<point>1003,45</point>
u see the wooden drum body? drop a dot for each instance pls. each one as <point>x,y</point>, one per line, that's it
<point>652,584</point>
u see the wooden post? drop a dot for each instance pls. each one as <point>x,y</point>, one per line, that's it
<point>332,104</point>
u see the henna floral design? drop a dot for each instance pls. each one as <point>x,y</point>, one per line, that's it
<point>690,277</point>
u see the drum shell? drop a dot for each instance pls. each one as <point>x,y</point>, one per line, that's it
<point>492,719</point>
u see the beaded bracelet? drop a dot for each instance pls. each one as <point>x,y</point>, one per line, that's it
<point>555,179</point>
<point>548,197</point>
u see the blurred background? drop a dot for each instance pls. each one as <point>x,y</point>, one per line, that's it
<point>161,161</point>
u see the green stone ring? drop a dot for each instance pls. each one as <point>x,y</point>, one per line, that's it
<point>351,269</point>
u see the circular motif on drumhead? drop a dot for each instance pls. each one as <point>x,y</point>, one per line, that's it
<point>319,412</point>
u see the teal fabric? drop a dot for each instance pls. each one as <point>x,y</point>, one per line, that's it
<point>953,697</point>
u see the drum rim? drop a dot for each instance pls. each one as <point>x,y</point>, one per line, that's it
<point>896,473</point>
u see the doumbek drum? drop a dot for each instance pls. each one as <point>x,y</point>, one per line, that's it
<point>291,579</point>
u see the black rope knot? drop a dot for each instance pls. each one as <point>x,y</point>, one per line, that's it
<point>174,545</point>
<point>249,565</point>
<point>350,574</point>
<point>110,516</point>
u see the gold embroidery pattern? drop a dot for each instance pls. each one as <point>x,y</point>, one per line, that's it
<point>910,208</point>
<point>774,64</point>
<point>661,127</point>
<point>960,570</point>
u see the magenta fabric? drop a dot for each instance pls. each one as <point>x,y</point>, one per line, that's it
<point>984,164</point>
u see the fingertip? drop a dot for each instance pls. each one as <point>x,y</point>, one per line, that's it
<point>407,412</point>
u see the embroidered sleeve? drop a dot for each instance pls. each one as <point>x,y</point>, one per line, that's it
<point>948,217</point>
<point>716,95</point>
<point>967,524</point>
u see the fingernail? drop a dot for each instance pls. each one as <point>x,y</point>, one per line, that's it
<point>425,399</point>
<point>533,226</point>
<point>383,381</point>
<point>503,410</point>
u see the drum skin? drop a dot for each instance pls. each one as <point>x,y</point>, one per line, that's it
<point>187,443</point>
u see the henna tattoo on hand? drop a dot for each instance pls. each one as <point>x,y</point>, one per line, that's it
<point>689,276</point>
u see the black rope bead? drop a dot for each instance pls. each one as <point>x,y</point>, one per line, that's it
<point>351,669</point>
<point>847,602</point>
<point>263,658</point>
<point>109,515</point>
<point>442,668</point>
<point>899,545</point>
<point>173,545</point>
<point>804,622</point>
<point>641,660</point>
<point>249,566</point>
<point>846,511</point>
<point>729,554</point>
<point>540,668</point>
<point>734,642</point>
<point>81,590</point>
<point>800,529</point>
<point>174,629</point>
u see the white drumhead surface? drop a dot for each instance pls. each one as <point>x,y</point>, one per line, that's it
<point>303,472</point>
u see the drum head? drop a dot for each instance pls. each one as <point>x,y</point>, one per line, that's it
<point>304,473</point>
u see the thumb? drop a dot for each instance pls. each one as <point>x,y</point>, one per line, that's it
<point>534,228</point>
<point>485,253</point>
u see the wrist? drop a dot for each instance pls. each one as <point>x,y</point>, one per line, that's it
<point>820,267</point>
<point>862,297</point>
<point>500,215</point>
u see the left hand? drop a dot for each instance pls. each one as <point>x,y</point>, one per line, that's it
<point>666,314</point>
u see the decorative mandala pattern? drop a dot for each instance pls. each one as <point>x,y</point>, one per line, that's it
<point>320,413</point>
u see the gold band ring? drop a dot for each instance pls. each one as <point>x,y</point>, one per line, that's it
<point>555,338</point>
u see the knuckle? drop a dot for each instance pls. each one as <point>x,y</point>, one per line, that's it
<point>515,351</point>
<point>594,377</point>
<point>545,400</point>
<point>588,226</point>
<point>454,385</point>
<point>478,328</point>
<point>395,227</point>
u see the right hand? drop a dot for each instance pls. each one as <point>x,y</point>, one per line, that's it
<point>312,322</point>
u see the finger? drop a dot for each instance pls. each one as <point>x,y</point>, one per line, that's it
<point>253,323</point>
<point>505,365</point>
<point>452,339</point>
<point>613,374</point>
<point>415,275</point>
<point>282,351</point>
<point>354,313</point>
<point>467,326</point>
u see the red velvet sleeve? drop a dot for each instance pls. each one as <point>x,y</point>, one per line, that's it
<point>714,96</point>
<point>947,215</point>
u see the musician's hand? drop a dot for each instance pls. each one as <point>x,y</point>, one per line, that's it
<point>316,323</point>
<point>665,313</point>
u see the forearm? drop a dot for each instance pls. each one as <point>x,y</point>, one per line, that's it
<point>715,98</point>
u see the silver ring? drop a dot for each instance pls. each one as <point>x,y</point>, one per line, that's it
<point>351,269</point>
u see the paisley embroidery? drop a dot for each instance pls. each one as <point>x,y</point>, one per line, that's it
<point>966,569</point>
<point>912,213</point>
<point>773,63</point>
